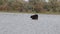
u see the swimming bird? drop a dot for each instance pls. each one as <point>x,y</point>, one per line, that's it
<point>34,17</point>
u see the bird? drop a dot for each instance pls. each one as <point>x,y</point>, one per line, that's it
<point>35,16</point>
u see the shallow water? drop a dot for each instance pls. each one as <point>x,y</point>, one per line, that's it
<point>11,23</point>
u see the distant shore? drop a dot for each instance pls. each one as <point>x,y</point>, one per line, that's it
<point>55,13</point>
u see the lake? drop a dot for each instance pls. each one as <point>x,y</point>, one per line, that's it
<point>13,23</point>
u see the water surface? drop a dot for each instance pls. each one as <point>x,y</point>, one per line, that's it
<point>11,23</point>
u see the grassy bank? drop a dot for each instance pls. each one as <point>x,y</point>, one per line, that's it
<point>55,13</point>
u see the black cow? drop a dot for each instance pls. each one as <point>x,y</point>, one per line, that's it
<point>34,16</point>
